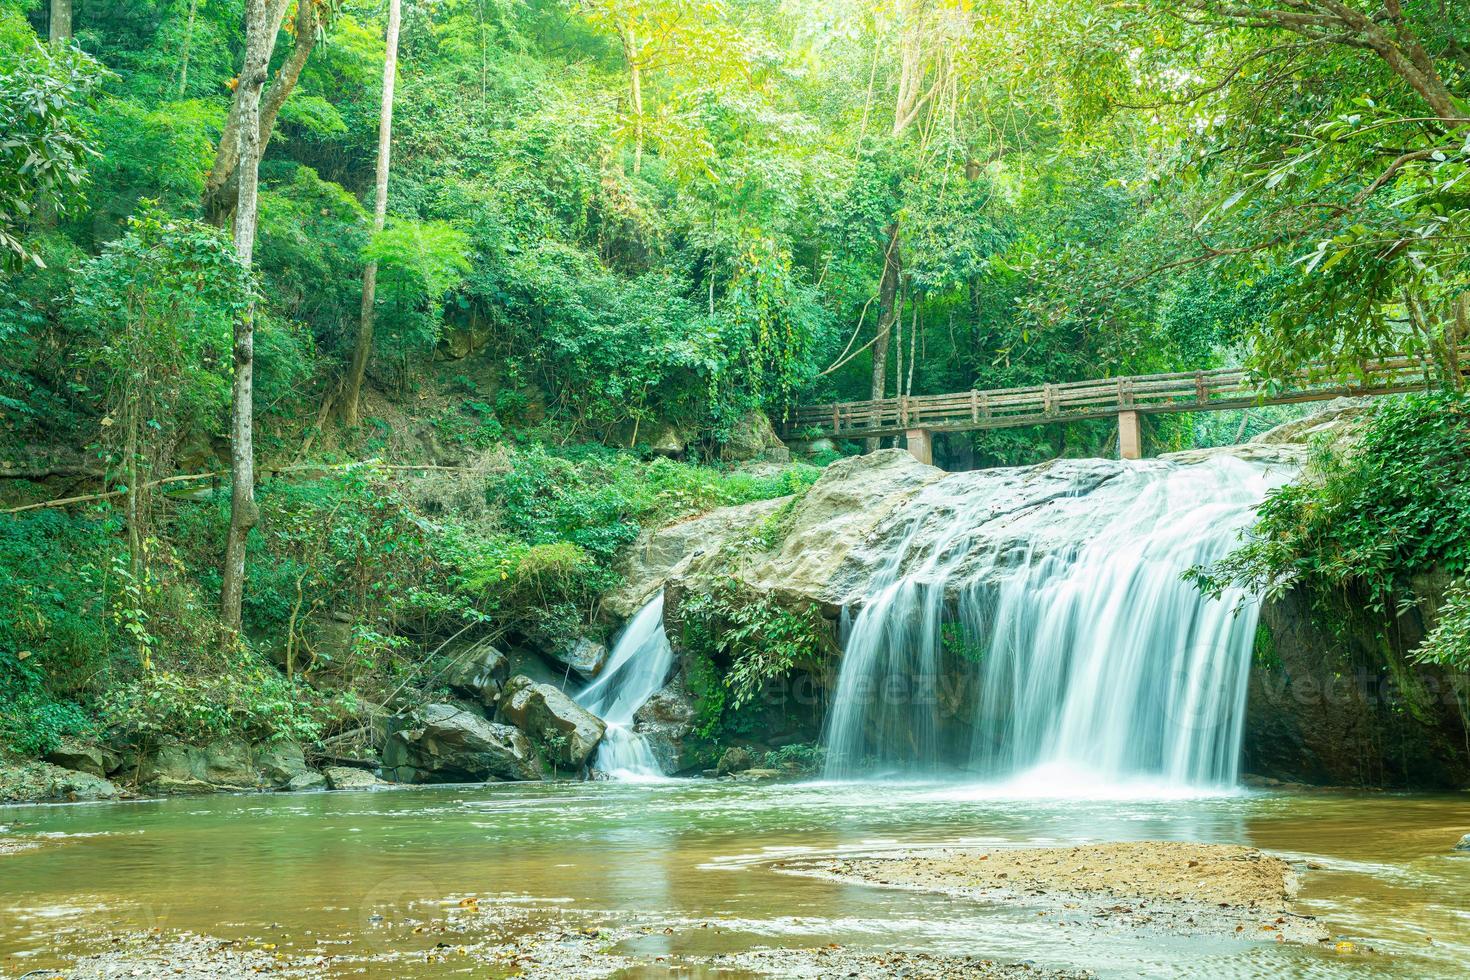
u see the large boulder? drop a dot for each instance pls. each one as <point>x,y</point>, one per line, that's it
<point>666,722</point>
<point>443,743</point>
<point>567,732</point>
<point>735,759</point>
<point>663,552</point>
<point>82,757</point>
<point>280,764</point>
<point>586,657</point>
<point>753,438</point>
<point>348,777</point>
<point>42,782</point>
<point>173,767</point>
<point>478,672</point>
<point>228,765</point>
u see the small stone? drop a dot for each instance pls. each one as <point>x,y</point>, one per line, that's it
<point>1464,844</point>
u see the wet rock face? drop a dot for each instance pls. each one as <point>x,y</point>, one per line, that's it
<point>566,731</point>
<point>582,655</point>
<point>1351,711</point>
<point>442,743</point>
<point>666,721</point>
<point>478,673</point>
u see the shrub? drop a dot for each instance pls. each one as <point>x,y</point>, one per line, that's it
<point>1366,519</point>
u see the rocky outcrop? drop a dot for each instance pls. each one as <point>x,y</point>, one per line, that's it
<point>43,782</point>
<point>582,655</point>
<point>752,438</point>
<point>666,722</point>
<point>1348,707</point>
<point>478,673</point>
<point>566,732</point>
<point>443,743</point>
<point>665,552</point>
<point>823,555</point>
<point>83,757</point>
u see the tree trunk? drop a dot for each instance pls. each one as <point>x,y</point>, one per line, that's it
<point>188,43</point>
<point>364,347</point>
<point>262,23</point>
<point>222,187</point>
<point>635,95</point>
<point>887,313</point>
<point>60,22</point>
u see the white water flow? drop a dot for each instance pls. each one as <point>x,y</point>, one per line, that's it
<point>637,667</point>
<point>1033,626</point>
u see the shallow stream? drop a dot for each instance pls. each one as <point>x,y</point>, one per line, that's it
<point>350,869</point>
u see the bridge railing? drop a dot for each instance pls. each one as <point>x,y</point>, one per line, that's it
<point>1181,391</point>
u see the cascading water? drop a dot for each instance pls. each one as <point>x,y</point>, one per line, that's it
<point>1034,624</point>
<point>637,667</point>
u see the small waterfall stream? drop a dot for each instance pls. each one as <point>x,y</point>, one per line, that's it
<point>1033,625</point>
<point>637,667</point>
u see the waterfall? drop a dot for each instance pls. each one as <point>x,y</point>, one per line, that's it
<point>637,667</point>
<point>1034,625</point>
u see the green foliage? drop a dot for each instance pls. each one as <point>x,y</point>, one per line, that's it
<point>563,521</point>
<point>753,638</point>
<point>1370,517</point>
<point>1449,642</point>
<point>44,93</point>
<point>802,758</point>
<point>244,699</point>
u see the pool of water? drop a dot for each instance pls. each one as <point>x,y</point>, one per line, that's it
<point>302,869</point>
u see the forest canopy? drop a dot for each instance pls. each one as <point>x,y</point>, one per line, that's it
<point>229,249</point>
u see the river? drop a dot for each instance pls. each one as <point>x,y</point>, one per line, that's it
<point>353,871</point>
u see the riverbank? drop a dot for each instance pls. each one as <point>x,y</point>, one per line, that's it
<point>1183,888</point>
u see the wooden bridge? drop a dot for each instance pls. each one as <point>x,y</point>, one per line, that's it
<point>918,417</point>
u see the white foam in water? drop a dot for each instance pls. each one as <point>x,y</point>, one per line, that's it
<point>1033,627</point>
<point>637,667</point>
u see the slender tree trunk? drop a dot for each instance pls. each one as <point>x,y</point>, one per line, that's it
<point>364,346</point>
<point>635,96</point>
<point>262,22</point>
<point>222,186</point>
<point>188,43</point>
<point>887,314</point>
<point>60,22</point>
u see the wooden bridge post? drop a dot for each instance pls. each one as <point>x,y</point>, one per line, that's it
<point>921,445</point>
<point>1130,436</point>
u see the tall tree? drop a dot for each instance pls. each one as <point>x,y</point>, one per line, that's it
<point>919,78</point>
<point>364,346</point>
<point>60,21</point>
<point>262,24</point>
<point>222,186</point>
